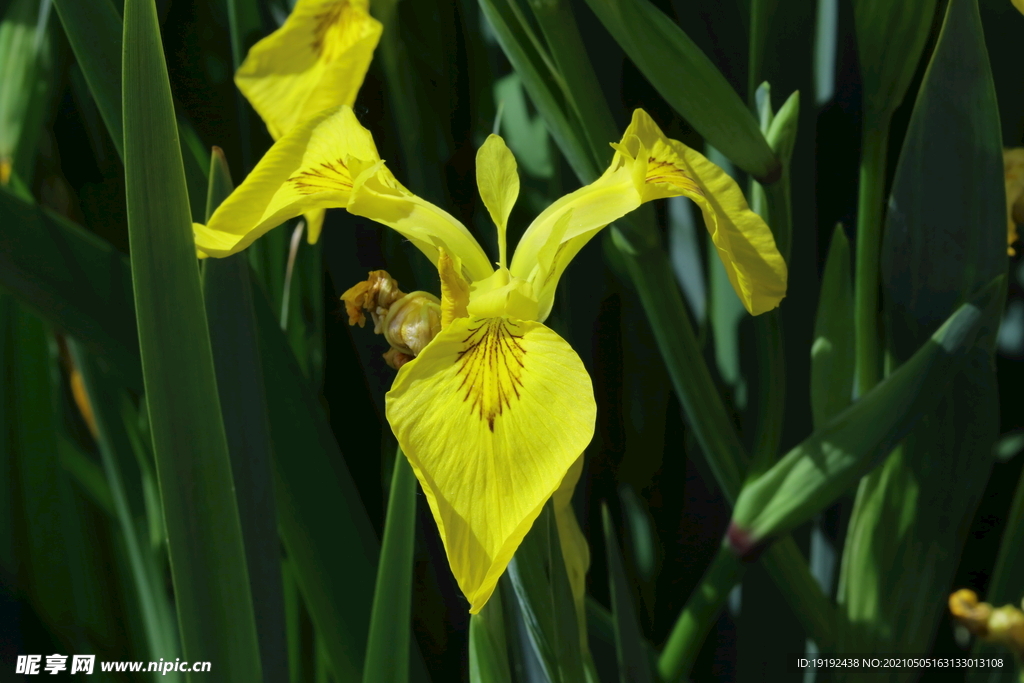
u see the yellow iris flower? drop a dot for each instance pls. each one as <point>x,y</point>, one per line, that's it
<point>1013,171</point>
<point>494,411</point>
<point>316,60</point>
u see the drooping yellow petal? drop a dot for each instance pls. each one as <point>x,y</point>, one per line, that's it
<point>317,60</point>
<point>575,551</point>
<point>667,168</point>
<point>1013,167</point>
<point>380,197</point>
<point>492,415</point>
<point>498,183</point>
<point>306,170</point>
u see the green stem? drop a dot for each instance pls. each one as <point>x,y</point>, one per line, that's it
<point>869,236</point>
<point>699,615</point>
<point>387,648</point>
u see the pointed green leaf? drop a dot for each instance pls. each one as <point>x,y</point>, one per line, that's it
<point>945,234</point>
<point>689,81</point>
<point>211,581</point>
<point>823,466</point>
<point>832,355</point>
<point>634,666</point>
<point>387,647</point>
<point>93,28</point>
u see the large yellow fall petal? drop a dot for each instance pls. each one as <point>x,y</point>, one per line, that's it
<point>317,60</point>
<point>381,198</point>
<point>492,415</point>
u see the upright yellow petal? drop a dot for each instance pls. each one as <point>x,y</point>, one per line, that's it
<point>304,171</point>
<point>1013,167</point>
<point>498,182</point>
<point>667,168</point>
<point>381,198</point>
<point>317,60</point>
<point>561,230</point>
<point>492,415</point>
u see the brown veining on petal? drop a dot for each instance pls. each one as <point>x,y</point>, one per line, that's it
<point>660,171</point>
<point>491,365</point>
<point>328,175</point>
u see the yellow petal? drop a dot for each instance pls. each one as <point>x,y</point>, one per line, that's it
<point>314,224</point>
<point>302,172</point>
<point>744,242</point>
<point>575,550</point>
<point>1013,167</point>
<point>380,197</point>
<point>561,230</point>
<point>317,60</point>
<point>454,290</point>
<point>492,415</point>
<point>498,182</point>
<point>1019,4</point>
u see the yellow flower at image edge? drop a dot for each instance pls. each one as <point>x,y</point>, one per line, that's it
<point>1013,172</point>
<point>316,60</point>
<point>496,408</point>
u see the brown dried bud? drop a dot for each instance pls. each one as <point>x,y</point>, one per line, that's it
<point>412,322</point>
<point>408,321</point>
<point>375,294</point>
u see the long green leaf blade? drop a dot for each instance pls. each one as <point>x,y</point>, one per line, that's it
<point>690,82</point>
<point>387,648</point>
<point>94,30</point>
<point>215,611</point>
<point>813,474</point>
<point>832,355</point>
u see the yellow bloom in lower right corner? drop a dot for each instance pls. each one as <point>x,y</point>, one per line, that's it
<point>1013,172</point>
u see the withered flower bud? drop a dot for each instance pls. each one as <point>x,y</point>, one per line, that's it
<point>408,321</point>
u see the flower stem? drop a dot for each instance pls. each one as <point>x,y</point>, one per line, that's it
<point>869,235</point>
<point>699,615</point>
